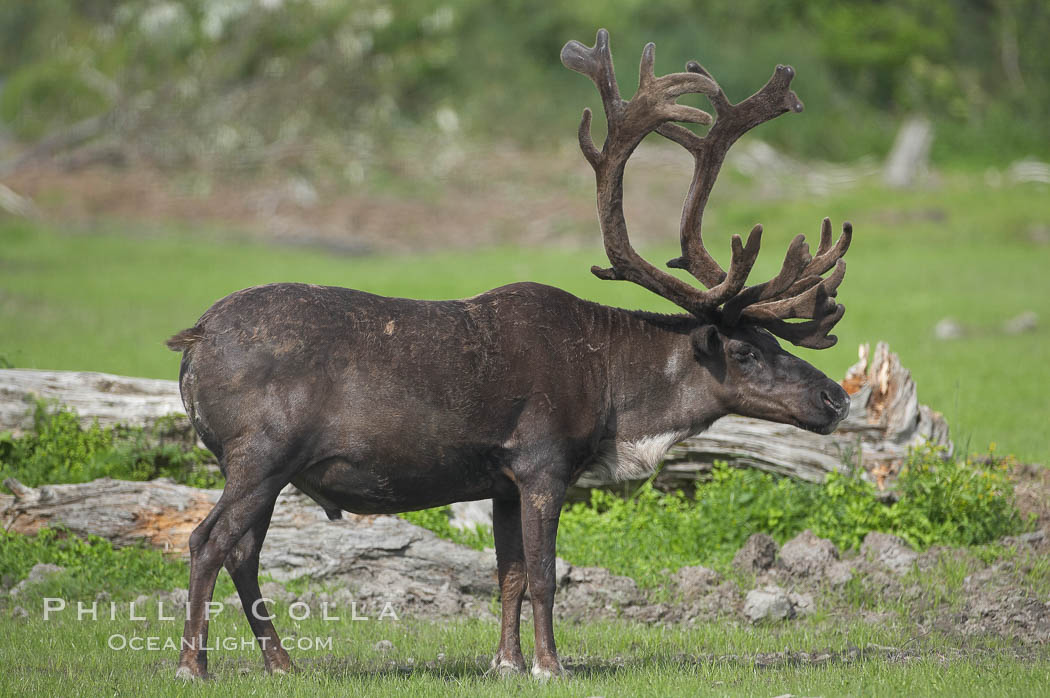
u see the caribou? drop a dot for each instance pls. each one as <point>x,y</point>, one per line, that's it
<point>378,405</point>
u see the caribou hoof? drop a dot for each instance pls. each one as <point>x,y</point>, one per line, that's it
<point>545,674</point>
<point>185,673</point>
<point>505,667</point>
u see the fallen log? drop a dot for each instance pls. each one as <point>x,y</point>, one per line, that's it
<point>885,421</point>
<point>104,397</point>
<point>379,558</point>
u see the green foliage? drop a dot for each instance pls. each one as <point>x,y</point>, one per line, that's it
<point>58,450</point>
<point>91,565</point>
<point>44,96</point>
<point>437,520</point>
<point>345,72</point>
<point>942,502</point>
<point>955,502</point>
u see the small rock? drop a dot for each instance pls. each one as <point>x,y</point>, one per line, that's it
<point>141,601</point>
<point>838,573</point>
<point>561,572</point>
<point>19,612</point>
<point>40,572</point>
<point>892,551</point>
<point>695,582</point>
<point>273,590</point>
<point>801,604</point>
<point>384,646</point>
<point>1027,321</point>
<point>758,554</point>
<point>176,599</point>
<point>343,597</point>
<point>469,515</point>
<point>768,603</point>
<point>948,328</point>
<point>807,555</point>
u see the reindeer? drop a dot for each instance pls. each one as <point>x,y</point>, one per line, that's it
<point>379,405</point>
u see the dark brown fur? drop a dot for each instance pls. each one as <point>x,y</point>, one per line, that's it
<point>381,405</point>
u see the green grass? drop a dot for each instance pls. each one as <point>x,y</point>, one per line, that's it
<point>106,299</point>
<point>93,565</point>
<point>608,658</point>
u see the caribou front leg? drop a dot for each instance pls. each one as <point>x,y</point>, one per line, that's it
<point>541,501</point>
<point>510,565</point>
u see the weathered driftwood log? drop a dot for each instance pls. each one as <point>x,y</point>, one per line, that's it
<point>885,420</point>
<point>108,398</point>
<point>379,558</point>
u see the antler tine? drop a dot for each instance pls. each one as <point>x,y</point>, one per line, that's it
<point>797,299</point>
<point>827,256</point>
<point>807,302</point>
<point>795,262</point>
<point>812,334</point>
<point>596,63</point>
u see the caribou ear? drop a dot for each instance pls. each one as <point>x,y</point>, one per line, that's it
<point>706,340</point>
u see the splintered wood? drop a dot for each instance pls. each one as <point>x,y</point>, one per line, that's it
<point>161,512</point>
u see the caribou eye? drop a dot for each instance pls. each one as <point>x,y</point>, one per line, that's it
<point>745,355</point>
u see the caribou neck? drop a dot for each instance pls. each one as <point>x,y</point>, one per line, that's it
<point>662,389</point>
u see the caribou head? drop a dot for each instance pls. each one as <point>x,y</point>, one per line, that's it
<point>736,323</point>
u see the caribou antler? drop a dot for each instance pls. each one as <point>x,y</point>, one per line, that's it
<point>798,291</point>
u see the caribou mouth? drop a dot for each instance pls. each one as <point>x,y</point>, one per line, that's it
<point>822,428</point>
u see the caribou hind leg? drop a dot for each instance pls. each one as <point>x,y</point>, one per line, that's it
<point>510,565</point>
<point>243,565</point>
<point>248,498</point>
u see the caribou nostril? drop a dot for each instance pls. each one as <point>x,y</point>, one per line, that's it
<point>827,400</point>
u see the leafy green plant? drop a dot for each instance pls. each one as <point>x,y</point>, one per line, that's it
<point>438,520</point>
<point>59,450</point>
<point>941,502</point>
<point>321,70</point>
<point>954,502</point>
<point>92,565</point>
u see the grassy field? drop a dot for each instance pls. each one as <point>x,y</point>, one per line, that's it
<point>827,657</point>
<point>106,298</point>
<point>859,641</point>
